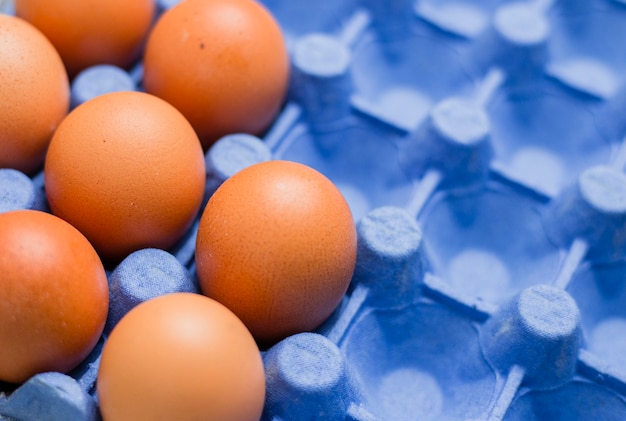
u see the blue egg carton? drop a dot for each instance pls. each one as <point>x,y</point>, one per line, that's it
<point>480,146</point>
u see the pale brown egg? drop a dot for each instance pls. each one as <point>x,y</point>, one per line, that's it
<point>181,357</point>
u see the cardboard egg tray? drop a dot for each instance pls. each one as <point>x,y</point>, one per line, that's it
<point>480,147</point>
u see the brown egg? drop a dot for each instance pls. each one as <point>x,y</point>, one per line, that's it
<point>277,245</point>
<point>127,170</point>
<point>181,357</point>
<point>54,295</point>
<point>88,32</point>
<point>34,94</point>
<point>222,63</point>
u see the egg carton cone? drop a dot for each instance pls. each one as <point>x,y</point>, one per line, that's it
<point>480,147</point>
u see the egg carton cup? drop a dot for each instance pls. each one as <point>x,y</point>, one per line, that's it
<point>480,146</point>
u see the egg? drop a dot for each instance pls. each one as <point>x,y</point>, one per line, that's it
<point>276,244</point>
<point>34,94</point>
<point>89,32</point>
<point>54,295</point>
<point>180,356</point>
<point>127,170</point>
<point>222,63</point>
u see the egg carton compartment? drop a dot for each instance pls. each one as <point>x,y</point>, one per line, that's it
<point>479,145</point>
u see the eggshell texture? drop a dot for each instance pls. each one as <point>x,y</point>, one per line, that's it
<point>277,245</point>
<point>127,170</point>
<point>34,94</point>
<point>222,63</point>
<point>88,32</point>
<point>54,295</point>
<point>184,357</point>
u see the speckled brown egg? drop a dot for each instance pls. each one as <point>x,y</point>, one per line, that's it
<point>127,170</point>
<point>222,63</point>
<point>277,245</point>
<point>34,94</point>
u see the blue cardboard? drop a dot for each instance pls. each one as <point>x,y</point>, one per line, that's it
<point>98,80</point>
<point>480,146</point>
